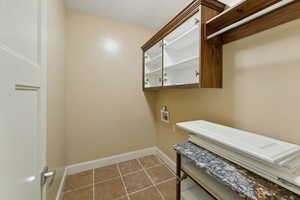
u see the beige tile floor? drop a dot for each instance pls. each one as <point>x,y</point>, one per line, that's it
<point>146,178</point>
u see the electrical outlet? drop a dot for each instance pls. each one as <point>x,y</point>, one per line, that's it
<point>165,115</point>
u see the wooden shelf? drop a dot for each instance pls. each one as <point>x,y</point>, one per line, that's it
<point>250,17</point>
<point>243,9</point>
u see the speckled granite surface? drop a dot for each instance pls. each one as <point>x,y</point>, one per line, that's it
<point>245,183</point>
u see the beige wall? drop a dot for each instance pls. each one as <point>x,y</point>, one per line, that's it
<point>261,90</point>
<point>106,110</point>
<point>107,113</point>
<point>56,138</point>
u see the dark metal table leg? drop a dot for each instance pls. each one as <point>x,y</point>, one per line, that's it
<point>178,174</point>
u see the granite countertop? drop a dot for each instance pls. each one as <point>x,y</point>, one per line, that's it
<point>247,184</point>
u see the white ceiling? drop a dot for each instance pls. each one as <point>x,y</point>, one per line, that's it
<point>148,13</point>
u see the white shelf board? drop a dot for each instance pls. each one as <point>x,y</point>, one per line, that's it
<point>186,39</point>
<point>178,84</point>
<point>154,59</point>
<point>172,84</point>
<point>152,86</point>
<point>189,62</point>
<point>262,148</point>
<point>157,71</point>
<point>195,193</point>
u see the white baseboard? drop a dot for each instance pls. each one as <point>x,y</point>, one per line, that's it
<point>60,191</point>
<point>166,159</point>
<point>80,167</point>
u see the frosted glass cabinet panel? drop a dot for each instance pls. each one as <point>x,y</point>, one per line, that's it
<point>181,54</point>
<point>153,61</point>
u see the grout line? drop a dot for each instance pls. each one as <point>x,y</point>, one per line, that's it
<point>172,172</point>
<point>141,170</point>
<point>154,166</point>
<point>141,190</point>
<point>123,182</point>
<point>165,164</point>
<point>161,195</point>
<point>120,197</point>
<point>107,180</point>
<point>76,189</point>
<point>130,173</point>
<point>170,179</point>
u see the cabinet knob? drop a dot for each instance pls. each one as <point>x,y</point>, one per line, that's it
<point>197,73</point>
<point>197,21</point>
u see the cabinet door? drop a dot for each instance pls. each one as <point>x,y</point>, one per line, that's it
<point>153,61</point>
<point>181,54</point>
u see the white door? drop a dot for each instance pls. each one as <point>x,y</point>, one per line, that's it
<point>22,98</point>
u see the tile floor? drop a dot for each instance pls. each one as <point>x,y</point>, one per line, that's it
<point>146,178</point>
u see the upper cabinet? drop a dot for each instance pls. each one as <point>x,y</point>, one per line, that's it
<point>179,56</point>
<point>187,52</point>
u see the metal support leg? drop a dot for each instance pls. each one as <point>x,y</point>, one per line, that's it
<point>178,174</point>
